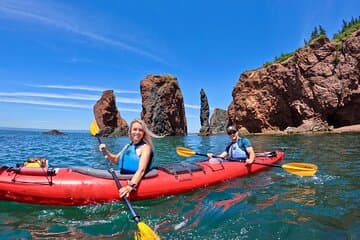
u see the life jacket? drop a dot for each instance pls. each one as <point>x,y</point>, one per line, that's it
<point>129,159</point>
<point>35,163</point>
<point>237,150</point>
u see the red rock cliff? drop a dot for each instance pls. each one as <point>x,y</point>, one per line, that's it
<point>319,83</point>
<point>107,115</point>
<point>163,105</point>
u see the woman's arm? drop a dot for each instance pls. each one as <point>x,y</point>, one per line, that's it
<point>109,155</point>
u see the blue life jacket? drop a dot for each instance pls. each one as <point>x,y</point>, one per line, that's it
<point>129,159</point>
<point>237,150</point>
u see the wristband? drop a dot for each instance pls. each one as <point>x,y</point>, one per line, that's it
<point>132,185</point>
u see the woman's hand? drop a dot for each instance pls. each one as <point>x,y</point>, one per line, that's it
<point>102,147</point>
<point>125,191</point>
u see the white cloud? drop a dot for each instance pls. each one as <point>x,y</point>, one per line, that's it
<point>47,103</point>
<point>49,95</point>
<point>56,104</point>
<point>192,106</point>
<point>85,88</point>
<point>68,96</point>
<point>79,60</point>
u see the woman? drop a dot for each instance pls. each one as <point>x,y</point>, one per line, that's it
<point>135,158</point>
<point>240,148</point>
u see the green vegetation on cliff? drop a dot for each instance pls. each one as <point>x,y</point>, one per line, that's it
<point>315,34</point>
<point>347,29</point>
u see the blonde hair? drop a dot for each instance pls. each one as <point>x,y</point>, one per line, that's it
<point>148,134</point>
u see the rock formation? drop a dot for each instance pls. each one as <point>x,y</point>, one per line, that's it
<point>204,114</point>
<point>317,86</point>
<point>108,117</point>
<point>163,105</point>
<point>218,121</point>
<point>54,132</point>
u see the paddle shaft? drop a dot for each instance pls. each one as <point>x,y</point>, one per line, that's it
<point>267,164</point>
<point>127,201</point>
<point>118,185</point>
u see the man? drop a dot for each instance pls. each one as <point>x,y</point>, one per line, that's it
<point>239,149</point>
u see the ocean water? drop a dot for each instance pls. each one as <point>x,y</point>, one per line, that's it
<point>272,204</point>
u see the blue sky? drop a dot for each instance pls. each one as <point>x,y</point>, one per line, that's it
<point>56,57</point>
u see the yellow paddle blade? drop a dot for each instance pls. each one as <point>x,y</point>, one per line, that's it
<point>185,152</point>
<point>301,169</point>
<point>94,129</point>
<point>145,233</point>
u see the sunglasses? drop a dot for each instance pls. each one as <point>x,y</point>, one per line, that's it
<point>231,132</point>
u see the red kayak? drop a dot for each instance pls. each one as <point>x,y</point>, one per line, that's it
<point>83,186</point>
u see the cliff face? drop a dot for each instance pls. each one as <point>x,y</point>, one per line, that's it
<point>163,105</point>
<point>108,117</point>
<point>319,84</point>
<point>218,121</point>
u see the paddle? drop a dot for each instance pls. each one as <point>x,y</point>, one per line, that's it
<point>145,232</point>
<point>301,169</point>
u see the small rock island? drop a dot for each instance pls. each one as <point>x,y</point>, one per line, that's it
<point>54,132</point>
